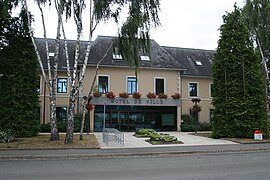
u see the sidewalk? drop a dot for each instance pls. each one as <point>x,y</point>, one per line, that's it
<point>135,147</point>
<point>186,138</point>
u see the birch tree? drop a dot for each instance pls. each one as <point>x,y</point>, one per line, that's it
<point>133,37</point>
<point>257,16</point>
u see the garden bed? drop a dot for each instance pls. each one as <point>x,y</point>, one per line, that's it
<point>156,138</point>
<point>162,142</point>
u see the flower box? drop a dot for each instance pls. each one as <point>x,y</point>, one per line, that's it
<point>136,95</point>
<point>97,94</point>
<point>176,96</point>
<point>162,96</point>
<point>110,95</point>
<point>196,108</point>
<point>123,95</point>
<point>151,95</point>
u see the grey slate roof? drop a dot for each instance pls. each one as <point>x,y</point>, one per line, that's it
<point>187,57</point>
<point>161,57</point>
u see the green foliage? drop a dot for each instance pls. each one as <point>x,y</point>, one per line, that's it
<point>19,80</point>
<point>257,16</point>
<point>155,137</point>
<point>62,125</point>
<point>144,132</point>
<point>238,92</point>
<point>188,124</point>
<point>134,32</point>
<point>162,138</point>
<point>6,136</point>
<point>168,138</point>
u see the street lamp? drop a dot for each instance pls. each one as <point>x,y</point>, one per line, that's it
<point>196,109</point>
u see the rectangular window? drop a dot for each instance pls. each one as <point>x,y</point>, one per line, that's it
<point>145,58</point>
<point>193,90</point>
<point>131,85</point>
<point>159,86</point>
<point>62,85</point>
<point>116,54</point>
<point>211,90</point>
<point>103,84</point>
<point>61,114</point>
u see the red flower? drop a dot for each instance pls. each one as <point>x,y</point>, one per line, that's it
<point>151,95</point>
<point>136,95</point>
<point>196,108</point>
<point>97,94</point>
<point>110,95</point>
<point>162,96</point>
<point>176,96</point>
<point>123,95</point>
<point>90,106</point>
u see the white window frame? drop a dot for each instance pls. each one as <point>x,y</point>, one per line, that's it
<point>116,54</point>
<point>165,85</point>
<point>104,75</point>
<point>137,84</point>
<point>197,89</point>
<point>145,58</point>
<point>62,77</point>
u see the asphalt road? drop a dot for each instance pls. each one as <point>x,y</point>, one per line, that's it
<point>247,166</point>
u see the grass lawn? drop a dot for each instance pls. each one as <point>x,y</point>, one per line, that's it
<point>237,140</point>
<point>42,142</point>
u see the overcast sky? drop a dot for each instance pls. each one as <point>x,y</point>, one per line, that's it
<point>185,23</point>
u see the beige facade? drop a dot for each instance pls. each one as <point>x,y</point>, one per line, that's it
<point>203,92</point>
<point>146,79</point>
<point>117,77</point>
<point>172,69</point>
<point>146,83</point>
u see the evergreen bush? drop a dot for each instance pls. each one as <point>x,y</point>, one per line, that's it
<point>6,136</point>
<point>238,86</point>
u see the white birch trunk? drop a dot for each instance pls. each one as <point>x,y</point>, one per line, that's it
<point>49,82</point>
<point>91,90</point>
<point>73,89</point>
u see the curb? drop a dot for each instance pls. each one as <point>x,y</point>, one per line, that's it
<point>123,155</point>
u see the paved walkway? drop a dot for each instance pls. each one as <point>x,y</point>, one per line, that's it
<point>138,147</point>
<point>186,138</point>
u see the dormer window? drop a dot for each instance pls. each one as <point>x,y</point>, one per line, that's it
<point>51,54</point>
<point>116,54</point>
<point>198,63</point>
<point>145,58</point>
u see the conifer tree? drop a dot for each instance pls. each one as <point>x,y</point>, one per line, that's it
<point>18,81</point>
<point>237,81</point>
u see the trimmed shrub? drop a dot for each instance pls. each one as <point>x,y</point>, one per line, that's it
<point>62,125</point>
<point>188,124</point>
<point>146,132</point>
<point>168,138</point>
<point>155,137</point>
<point>6,136</point>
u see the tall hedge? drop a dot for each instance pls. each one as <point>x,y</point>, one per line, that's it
<point>238,95</point>
<point>19,80</point>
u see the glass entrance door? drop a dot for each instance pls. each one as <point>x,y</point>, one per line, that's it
<point>120,120</point>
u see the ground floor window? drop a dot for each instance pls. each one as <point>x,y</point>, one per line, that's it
<point>61,114</point>
<point>131,118</point>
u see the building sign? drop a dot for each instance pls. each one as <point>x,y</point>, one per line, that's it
<point>136,102</point>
